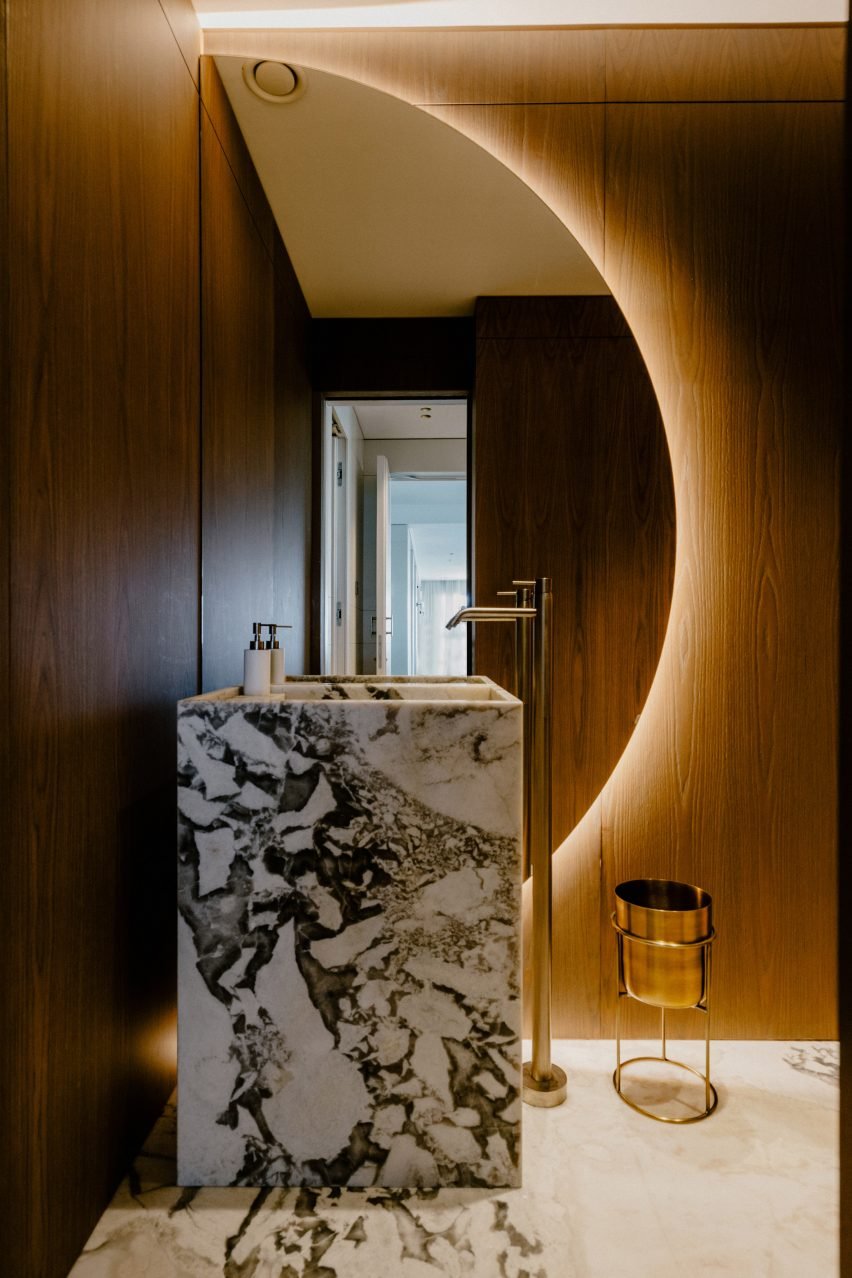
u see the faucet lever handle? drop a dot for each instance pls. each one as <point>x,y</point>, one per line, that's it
<point>523,583</point>
<point>509,594</point>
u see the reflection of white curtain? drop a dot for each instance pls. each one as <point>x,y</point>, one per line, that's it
<point>441,651</point>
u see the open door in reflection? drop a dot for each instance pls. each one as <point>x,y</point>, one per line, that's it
<point>382,618</point>
<point>395,536</point>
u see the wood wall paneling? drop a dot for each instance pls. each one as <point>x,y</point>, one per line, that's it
<point>718,64</point>
<point>183,20</point>
<point>221,116</point>
<point>258,450</point>
<point>424,356</point>
<point>736,764</point>
<point>844,858</point>
<point>103,466</point>
<point>573,481</point>
<point>543,319</point>
<point>239,479</point>
<point>435,66</point>
<point>12,956</point>
<point>558,150</point>
<point>293,469</point>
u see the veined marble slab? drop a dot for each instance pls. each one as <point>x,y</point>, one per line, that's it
<point>349,935</point>
<point>750,1193</point>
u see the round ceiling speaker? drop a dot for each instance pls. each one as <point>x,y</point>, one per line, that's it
<point>274,81</point>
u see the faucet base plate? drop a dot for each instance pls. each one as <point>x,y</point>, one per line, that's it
<point>548,1092</point>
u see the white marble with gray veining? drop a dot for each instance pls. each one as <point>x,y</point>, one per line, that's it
<point>349,935</point>
<point>751,1192</point>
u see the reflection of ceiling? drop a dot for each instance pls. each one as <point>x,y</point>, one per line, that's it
<point>391,419</point>
<point>428,501</point>
<point>436,512</point>
<point>440,551</point>
<point>511,13</point>
<point>387,211</point>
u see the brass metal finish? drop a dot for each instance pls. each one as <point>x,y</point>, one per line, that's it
<point>525,598</point>
<point>664,934</point>
<point>541,1078</point>
<point>483,613</point>
<point>545,1093</point>
<point>663,910</point>
<point>544,1084</point>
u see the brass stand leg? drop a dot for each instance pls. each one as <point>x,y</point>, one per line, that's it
<point>618,1043</point>
<point>707,1088</point>
<point>619,985</point>
<point>711,1098</point>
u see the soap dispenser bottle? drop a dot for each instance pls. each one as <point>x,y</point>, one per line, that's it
<point>276,652</point>
<point>256,665</point>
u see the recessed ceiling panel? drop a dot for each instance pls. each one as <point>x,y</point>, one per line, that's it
<point>387,211</point>
<point>412,419</point>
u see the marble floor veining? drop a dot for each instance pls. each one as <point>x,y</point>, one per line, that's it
<point>751,1192</point>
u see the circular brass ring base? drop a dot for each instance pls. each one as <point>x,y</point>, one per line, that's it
<point>660,1118</point>
<point>546,1093</point>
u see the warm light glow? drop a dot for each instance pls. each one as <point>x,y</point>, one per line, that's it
<point>214,15</point>
<point>160,1047</point>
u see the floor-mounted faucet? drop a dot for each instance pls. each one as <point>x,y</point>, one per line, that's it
<point>544,1083</point>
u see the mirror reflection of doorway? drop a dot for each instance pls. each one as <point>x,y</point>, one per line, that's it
<point>395,536</point>
<point>428,518</point>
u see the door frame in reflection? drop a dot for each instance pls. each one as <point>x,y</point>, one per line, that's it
<point>348,612</point>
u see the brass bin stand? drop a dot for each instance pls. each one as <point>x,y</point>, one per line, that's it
<point>664,933</point>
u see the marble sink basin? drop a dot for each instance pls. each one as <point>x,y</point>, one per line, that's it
<point>363,688</point>
<point>349,934</point>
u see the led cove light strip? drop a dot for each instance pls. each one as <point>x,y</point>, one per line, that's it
<point>511,13</point>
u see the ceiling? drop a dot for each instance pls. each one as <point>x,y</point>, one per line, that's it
<point>436,512</point>
<point>392,419</point>
<point>387,211</point>
<point>316,14</point>
<point>440,551</point>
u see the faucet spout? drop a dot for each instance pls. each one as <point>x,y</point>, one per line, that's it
<point>489,614</point>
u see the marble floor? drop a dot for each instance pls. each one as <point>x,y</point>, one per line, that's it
<point>752,1192</point>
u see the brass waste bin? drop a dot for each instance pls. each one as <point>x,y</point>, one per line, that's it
<point>664,932</point>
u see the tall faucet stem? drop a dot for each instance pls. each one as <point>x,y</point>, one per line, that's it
<point>544,1084</point>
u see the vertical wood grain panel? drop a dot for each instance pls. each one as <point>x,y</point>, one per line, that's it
<point>221,116</point>
<point>103,439</point>
<point>441,67</point>
<point>735,758</point>
<point>844,779</point>
<point>238,512</point>
<point>718,64</point>
<point>183,21</point>
<point>293,470</point>
<point>256,505</point>
<point>13,1061</point>
<point>572,480</point>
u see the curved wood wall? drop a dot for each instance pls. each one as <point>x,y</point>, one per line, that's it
<point>701,169</point>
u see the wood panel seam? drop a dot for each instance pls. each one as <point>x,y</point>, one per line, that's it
<point>179,46</point>
<point>237,183</point>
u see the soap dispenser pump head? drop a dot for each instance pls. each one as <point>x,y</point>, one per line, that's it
<point>257,643</point>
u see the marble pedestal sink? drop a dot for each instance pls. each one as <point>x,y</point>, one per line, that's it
<point>349,935</point>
